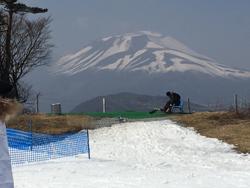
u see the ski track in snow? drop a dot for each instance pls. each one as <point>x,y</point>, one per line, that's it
<point>143,154</point>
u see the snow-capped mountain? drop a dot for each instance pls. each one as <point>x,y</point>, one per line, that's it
<point>143,63</point>
<point>142,51</point>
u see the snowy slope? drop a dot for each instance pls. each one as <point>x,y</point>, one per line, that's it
<point>142,51</point>
<point>143,154</point>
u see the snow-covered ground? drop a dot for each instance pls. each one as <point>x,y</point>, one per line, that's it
<point>143,154</point>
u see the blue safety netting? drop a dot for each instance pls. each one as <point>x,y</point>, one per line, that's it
<point>27,147</point>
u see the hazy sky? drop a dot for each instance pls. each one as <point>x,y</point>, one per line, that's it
<point>219,29</point>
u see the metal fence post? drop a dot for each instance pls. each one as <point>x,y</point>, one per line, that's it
<point>31,133</point>
<point>189,107</point>
<point>236,103</point>
<point>88,143</point>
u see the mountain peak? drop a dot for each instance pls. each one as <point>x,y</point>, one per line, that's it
<point>143,51</point>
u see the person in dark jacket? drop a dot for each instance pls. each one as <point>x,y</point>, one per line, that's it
<point>174,99</point>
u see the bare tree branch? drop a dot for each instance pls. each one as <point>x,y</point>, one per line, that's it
<point>30,46</point>
<point>23,43</point>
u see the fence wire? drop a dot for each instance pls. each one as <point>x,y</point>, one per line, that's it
<point>28,147</point>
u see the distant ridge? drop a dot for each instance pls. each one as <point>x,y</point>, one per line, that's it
<point>127,102</point>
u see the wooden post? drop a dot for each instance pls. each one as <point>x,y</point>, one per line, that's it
<point>236,103</point>
<point>37,102</point>
<point>103,105</point>
<point>189,107</point>
<point>88,143</point>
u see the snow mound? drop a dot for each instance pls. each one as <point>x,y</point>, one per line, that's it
<point>144,154</point>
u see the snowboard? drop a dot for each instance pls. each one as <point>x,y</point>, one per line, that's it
<point>155,110</point>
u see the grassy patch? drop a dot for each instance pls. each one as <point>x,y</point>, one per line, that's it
<point>226,126</point>
<point>68,123</point>
<point>129,115</point>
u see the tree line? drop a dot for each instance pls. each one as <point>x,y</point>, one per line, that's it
<point>24,46</point>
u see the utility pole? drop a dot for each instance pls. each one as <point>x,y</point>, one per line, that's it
<point>37,102</point>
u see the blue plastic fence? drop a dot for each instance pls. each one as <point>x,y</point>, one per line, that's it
<point>27,147</point>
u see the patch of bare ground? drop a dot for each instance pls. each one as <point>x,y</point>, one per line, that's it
<point>226,126</point>
<point>52,124</point>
